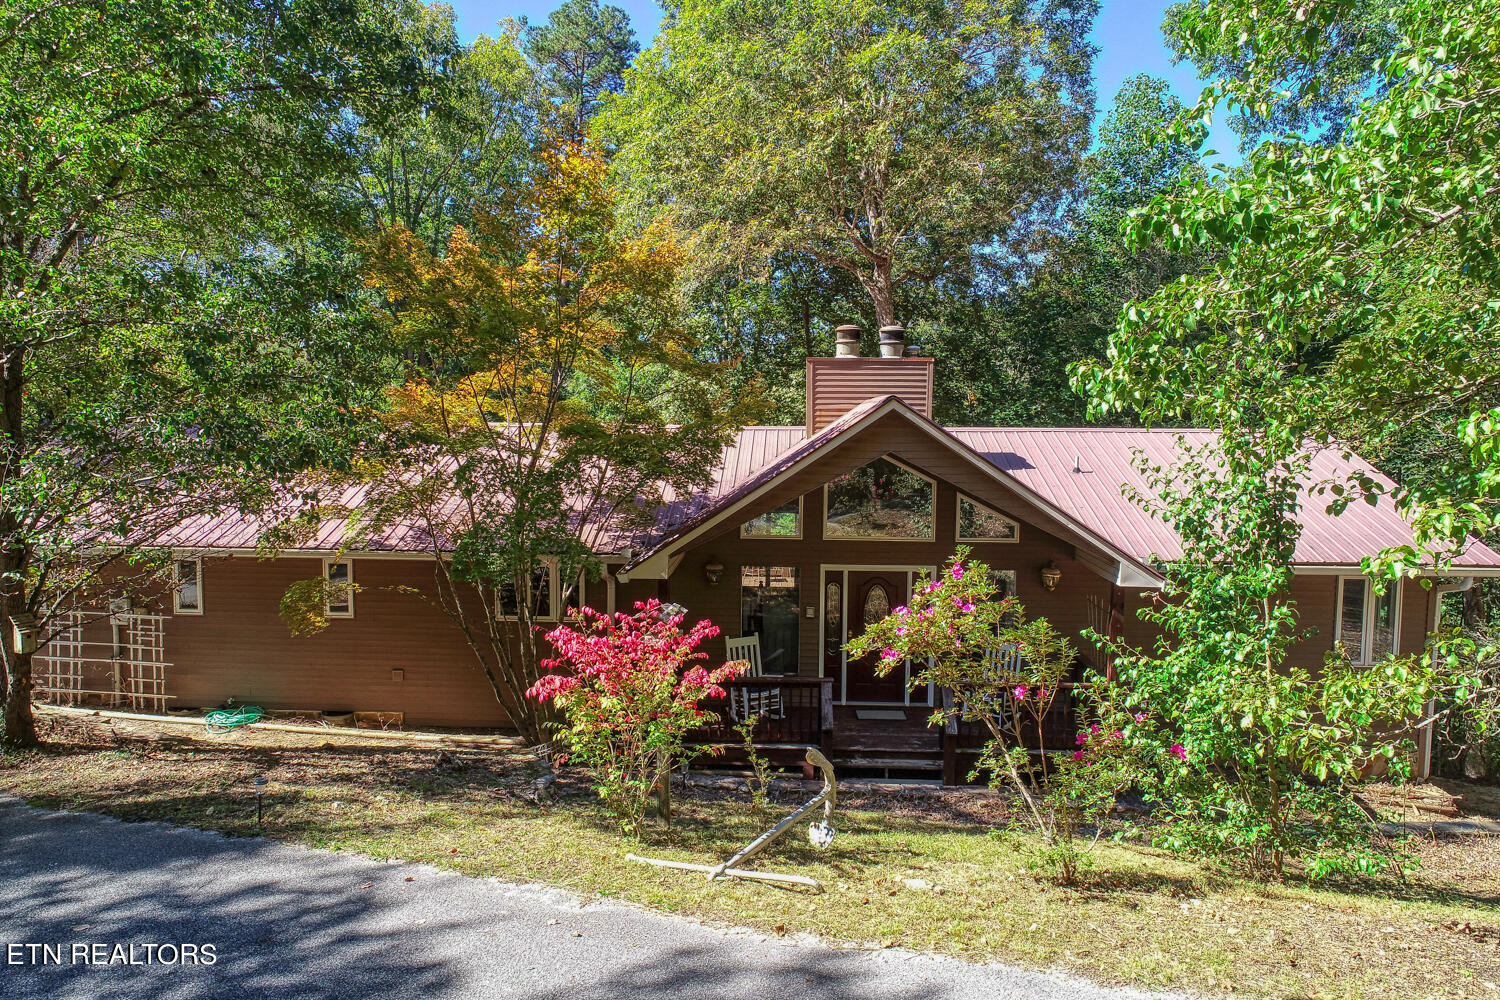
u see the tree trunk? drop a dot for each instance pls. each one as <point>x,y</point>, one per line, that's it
<point>882,292</point>
<point>20,723</point>
<point>20,726</point>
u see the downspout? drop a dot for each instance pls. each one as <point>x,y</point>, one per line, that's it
<point>1424,735</point>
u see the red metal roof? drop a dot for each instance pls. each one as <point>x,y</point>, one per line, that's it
<point>1041,459</point>
<point>1044,459</point>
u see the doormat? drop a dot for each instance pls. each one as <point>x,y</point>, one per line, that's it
<point>886,714</point>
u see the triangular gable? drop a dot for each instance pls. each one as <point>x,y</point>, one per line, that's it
<point>655,563</point>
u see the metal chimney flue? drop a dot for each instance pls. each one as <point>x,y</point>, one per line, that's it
<point>846,341</point>
<point>892,341</point>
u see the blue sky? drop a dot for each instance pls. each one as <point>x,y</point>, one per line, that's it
<point>1128,35</point>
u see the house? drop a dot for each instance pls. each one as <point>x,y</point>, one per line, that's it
<point>808,533</point>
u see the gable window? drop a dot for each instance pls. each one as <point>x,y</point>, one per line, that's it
<point>1368,619</point>
<point>783,522</point>
<point>187,591</point>
<point>978,523</point>
<point>881,500</point>
<point>340,594</point>
<point>769,600</point>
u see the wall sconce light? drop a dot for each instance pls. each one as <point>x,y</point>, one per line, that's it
<point>1051,575</point>
<point>714,571</point>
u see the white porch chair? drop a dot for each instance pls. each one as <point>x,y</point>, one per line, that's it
<point>1001,660</point>
<point>747,701</point>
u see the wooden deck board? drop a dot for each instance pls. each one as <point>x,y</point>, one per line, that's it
<point>853,736</point>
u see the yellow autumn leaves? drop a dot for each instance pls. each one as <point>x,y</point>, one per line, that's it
<point>544,294</point>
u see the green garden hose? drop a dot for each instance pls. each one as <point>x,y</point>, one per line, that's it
<point>222,720</point>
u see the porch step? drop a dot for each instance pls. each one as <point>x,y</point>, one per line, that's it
<point>890,763</point>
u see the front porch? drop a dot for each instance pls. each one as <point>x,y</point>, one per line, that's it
<point>889,740</point>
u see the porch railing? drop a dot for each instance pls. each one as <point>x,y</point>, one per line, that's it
<point>804,716</point>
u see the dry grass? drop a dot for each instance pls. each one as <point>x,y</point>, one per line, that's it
<point>1141,918</point>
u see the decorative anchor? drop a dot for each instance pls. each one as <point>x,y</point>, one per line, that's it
<point>820,833</point>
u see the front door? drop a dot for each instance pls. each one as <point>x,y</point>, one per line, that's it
<point>872,595</point>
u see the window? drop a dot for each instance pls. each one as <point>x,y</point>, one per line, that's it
<point>1368,621</point>
<point>881,500</point>
<point>340,576</point>
<point>978,523</point>
<point>783,522</point>
<point>187,595</point>
<point>1004,581</point>
<point>769,602</point>
<point>833,617</point>
<point>542,589</point>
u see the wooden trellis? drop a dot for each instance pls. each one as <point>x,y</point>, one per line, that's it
<point>130,668</point>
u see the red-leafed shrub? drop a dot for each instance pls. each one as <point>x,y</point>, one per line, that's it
<point>628,703</point>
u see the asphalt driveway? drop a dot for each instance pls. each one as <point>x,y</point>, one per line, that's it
<point>297,923</point>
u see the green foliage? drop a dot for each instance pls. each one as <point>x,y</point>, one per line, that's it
<point>1269,752</point>
<point>304,605</point>
<point>897,142</point>
<point>1351,304</point>
<point>759,782</point>
<point>1003,352</point>
<point>428,168</point>
<point>1370,262</point>
<point>179,330</point>
<point>1005,671</point>
<point>1326,72</point>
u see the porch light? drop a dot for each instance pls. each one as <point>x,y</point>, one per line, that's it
<point>23,632</point>
<point>714,571</point>
<point>1051,575</point>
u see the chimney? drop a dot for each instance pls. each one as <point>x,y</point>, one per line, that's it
<point>838,384</point>
<point>846,341</point>
<point>892,341</point>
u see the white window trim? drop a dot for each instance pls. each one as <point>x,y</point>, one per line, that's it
<point>958,521</point>
<point>1367,623</point>
<point>777,538</point>
<point>333,562</point>
<point>177,561</point>
<point>880,538</point>
<point>550,564</point>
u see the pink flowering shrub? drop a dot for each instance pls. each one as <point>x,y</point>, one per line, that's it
<point>1005,671</point>
<point>629,687</point>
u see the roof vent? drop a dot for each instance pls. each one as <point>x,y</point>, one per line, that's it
<point>892,341</point>
<point>846,341</point>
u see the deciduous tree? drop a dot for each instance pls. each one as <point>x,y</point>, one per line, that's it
<point>898,141</point>
<point>163,296</point>
<point>552,405</point>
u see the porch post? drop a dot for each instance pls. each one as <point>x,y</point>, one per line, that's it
<point>825,712</point>
<point>1116,626</point>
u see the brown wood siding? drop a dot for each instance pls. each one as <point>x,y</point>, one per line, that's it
<point>1316,600</point>
<point>240,648</point>
<point>1416,617</point>
<point>1066,608</point>
<point>837,385</point>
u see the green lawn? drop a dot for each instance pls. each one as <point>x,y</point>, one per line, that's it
<point>1142,917</point>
